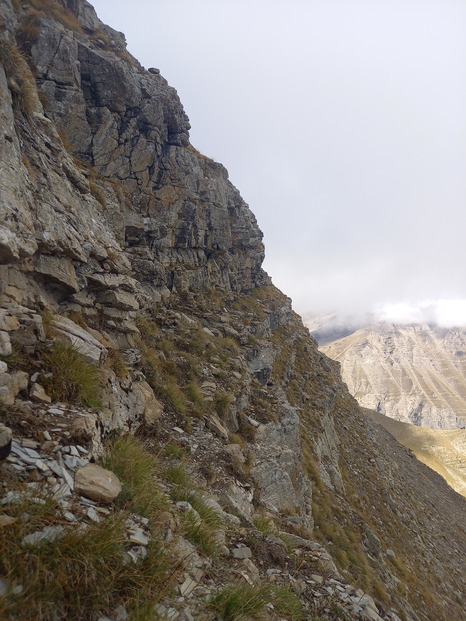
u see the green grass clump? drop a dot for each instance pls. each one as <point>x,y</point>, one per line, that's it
<point>222,401</point>
<point>202,525</point>
<point>116,362</point>
<point>175,395</point>
<point>16,359</point>
<point>195,393</point>
<point>148,328</point>
<point>73,378</point>
<point>173,451</point>
<point>265,525</point>
<point>287,603</point>
<point>71,577</point>
<point>136,468</point>
<point>236,602</point>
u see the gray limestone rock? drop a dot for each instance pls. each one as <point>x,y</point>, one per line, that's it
<point>57,270</point>
<point>79,338</point>
<point>241,553</point>
<point>49,533</point>
<point>277,470</point>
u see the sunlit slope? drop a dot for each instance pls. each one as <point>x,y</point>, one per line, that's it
<point>413,373</point>
<point>442,450</point>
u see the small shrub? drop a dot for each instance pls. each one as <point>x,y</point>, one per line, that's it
<point>73,378</point>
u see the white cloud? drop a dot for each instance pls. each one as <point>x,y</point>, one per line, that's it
<point>445,313</point>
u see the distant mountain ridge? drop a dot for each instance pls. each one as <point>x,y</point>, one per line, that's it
<point>442,450</point>
<point>413,373</point>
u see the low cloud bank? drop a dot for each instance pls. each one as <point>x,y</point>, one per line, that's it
<point>446,313</point>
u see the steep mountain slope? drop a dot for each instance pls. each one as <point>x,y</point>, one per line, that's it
<point>442,450</point>
<point>415,374</point>
<point>138,329</point>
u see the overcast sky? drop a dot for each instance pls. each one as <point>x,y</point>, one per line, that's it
<point>343,125</point>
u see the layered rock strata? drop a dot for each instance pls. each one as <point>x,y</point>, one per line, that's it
<point>414,373</point>
<point>125,251</point>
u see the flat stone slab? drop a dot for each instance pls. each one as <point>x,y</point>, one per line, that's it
<point>241,552</point>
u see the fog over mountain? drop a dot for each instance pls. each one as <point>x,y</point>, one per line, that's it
<point>343,124</point>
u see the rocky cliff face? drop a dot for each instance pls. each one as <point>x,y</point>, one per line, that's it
<point>138,329</point>
<point>415,374</point>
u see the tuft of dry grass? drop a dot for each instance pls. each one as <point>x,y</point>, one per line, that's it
<point>24,90</point>
<point>201,524</point>
<point>136,467</point>
<point>116,362</point>
<point>82,571</point>
<point>239,601</point>
<point>73,378</point>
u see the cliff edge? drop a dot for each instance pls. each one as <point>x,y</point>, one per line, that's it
<point>176,447</point>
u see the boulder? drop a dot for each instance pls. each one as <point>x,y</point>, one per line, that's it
<point>96,483</point>
<point>5,441</point>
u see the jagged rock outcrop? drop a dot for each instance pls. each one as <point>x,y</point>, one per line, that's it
<point>132,297</point>
<point>415,374</point>
<point>151,206</point>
